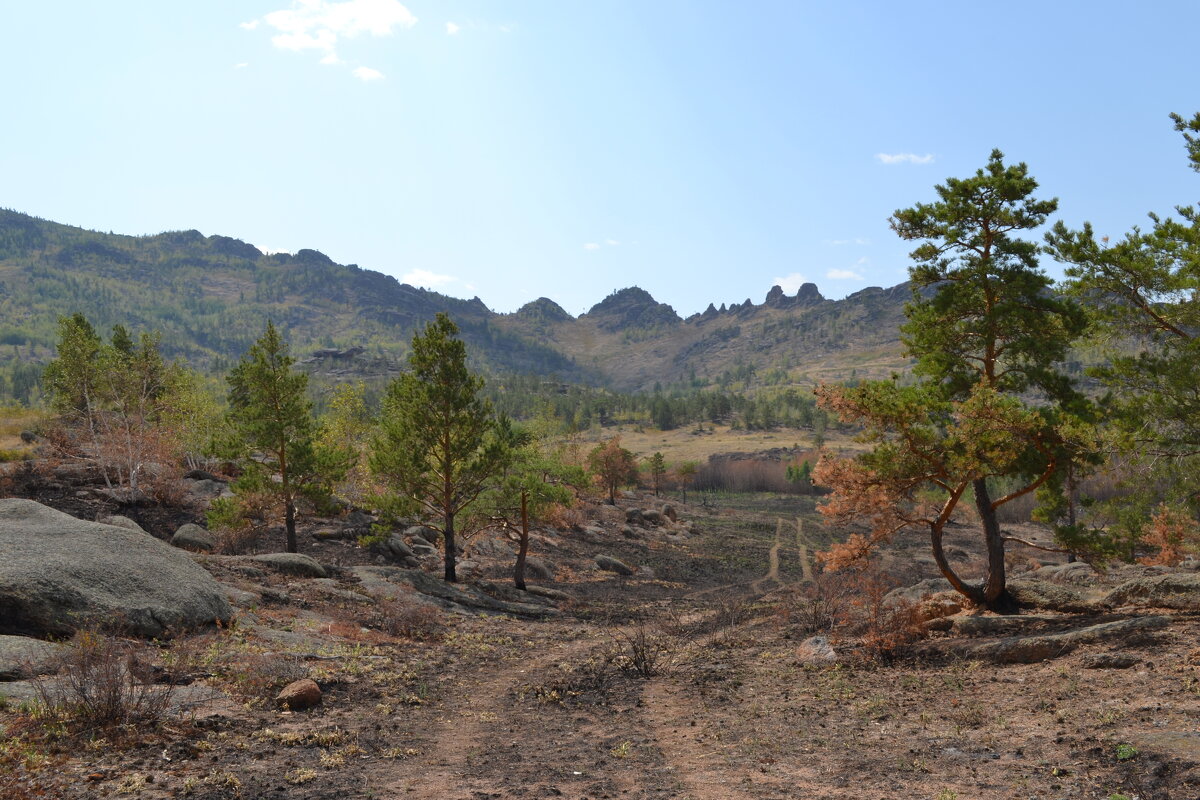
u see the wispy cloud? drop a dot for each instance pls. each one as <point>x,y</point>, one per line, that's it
<point>452,29</point>
<point>844,242</point>
<point>591,246</point>
<point>790,283</point>
<point>322,26</point>
<point>904,158</point>
<point>242,65</point>
<point>611,242</point>
<point>843,275</point>
<point>427,279</point>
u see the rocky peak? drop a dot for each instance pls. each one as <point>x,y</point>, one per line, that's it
<point>632,308</point>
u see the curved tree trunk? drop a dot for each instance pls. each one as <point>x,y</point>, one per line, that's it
<point>972,593</point>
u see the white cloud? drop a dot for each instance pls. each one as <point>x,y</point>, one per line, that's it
<point>611,242</point>
<point>242,65</point>
<point>844,242</point>
<point>591,246</point>
<point>427,279</point>
<point>904,158</point>
<point>452,29</point>
<point>321,25</point>
<point>790,283</point>
<point>843,275</point>
<point>251,25</point>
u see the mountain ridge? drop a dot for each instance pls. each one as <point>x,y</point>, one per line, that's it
<point>211,295</point>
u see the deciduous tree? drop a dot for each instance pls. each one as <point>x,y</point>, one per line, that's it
<point>613,467</point>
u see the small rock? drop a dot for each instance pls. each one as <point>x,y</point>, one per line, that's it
<point>610,564</point>
<point>629,533</point>
<point>121,522</point>
<point>670,513</point>
<point>538,569</point>
<point>816,650</point>
<point>299,695</point>
<point>645,572</point>
<point>423,532</point>
<point>193,537</point>
<point>397,547</point>
<point>655,518</point>
<point>634,516</point>
<point>292,564</point>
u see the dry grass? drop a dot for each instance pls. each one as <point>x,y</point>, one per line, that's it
<point>683,444</point>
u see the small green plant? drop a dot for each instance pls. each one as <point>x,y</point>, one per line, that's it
<point>622,750</point>
<point>1126,752</point>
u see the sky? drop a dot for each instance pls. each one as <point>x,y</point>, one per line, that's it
<point>514,149</point>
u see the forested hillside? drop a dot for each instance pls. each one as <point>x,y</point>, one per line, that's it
<point>209,296</point>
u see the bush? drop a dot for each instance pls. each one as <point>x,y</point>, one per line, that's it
<point>411,619</point>
<point>101,686</point>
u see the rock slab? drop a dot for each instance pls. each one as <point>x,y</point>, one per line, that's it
<point>59,573</point>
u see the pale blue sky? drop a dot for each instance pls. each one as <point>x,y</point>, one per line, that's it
<point>520,148</point>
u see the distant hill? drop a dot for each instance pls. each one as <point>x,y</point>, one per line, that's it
<point>210,296</point>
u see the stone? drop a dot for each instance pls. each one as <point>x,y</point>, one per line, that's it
<point>538,569</point>
<point>1176,590</point>
<point>392,581</point>
<point>628,532</point>
<point>202,475</point>
<point>240,598</point>
<point>58,573</point>
<point>22,657</point>
<point>297,564</point>
<point>917,592</point>
<point>1031,649</point>
<point>299,695</point>
<point>192,537</point>
<point>670,513</point>
<point>398,547</point>
<point>610,564</point>
<point>634,516</point>
<point>204,489</point>
<point>121,522</point>
<point>816,650</point>
<point>492,547</point>
<point>1050,596</point>
<point>424,550</point>
<point>423,532</point>
<point>655,518</point>
<point>645,572</point>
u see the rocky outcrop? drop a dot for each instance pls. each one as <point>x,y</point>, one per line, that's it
<point>58,573</point>
<point>193,537</point>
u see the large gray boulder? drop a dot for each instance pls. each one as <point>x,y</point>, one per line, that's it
<point>58,573</point>
<point>192,537</point>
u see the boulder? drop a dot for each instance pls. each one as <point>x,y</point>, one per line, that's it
<point>397,547</point>
<point>1049,596</point>
<point>1031,649</point>
<point>299,695</point>
<point>610,564</point>
<point>297,564</point>
<point>492,547</point>
<point>121,522</point>
<point>204,489</point>
<point>423,532</point>
<point>655,518</point>
<point>670,513</point>
<point>634,516</point>
<point>22,657</point>
<point>918,591</point>
<point>58,573</point>
<point>538,569</point>
<point>1174,590</point>
<point>193,537</point>
<point>202,475</point>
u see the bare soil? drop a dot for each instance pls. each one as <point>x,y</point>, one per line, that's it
<point>491,706</point>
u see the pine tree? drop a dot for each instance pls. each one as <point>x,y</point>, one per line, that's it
<point>987,335</point>
<point>272,419</point>
<point>437,447</point>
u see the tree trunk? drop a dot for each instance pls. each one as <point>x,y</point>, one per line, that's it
<point>995,591</point>
<point>972,593</point>
<point>289,524</point>
<point>519,570</point>
<point>451,553</point>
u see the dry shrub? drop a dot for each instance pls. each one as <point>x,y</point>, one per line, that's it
<point>562,517</point>
<point>101,686</point>
<point>883,630</point>
<point>1174,533</point>
<point>411,619</point>
<point>817,607</point>
<point>261,675</point>
<point>645,649</point>
<point>236,540</point>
